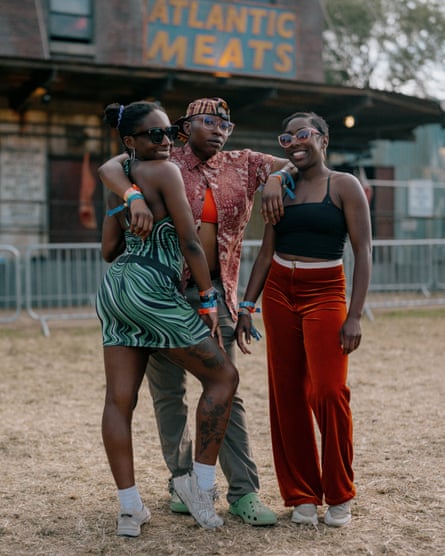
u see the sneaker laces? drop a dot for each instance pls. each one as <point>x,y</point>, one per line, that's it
<point>204,504</point>
<point>214,490</point>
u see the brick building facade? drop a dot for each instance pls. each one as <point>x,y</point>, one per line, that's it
<point>62,62</point>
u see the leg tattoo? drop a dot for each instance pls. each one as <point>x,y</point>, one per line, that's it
<point>212,423</point>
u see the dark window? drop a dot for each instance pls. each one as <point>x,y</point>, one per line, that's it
<point>71,20</point>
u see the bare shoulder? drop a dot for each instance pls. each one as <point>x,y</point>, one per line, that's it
<point>155,172</point>
<point>345,179</point>
<point>346,184</point>
<point>165,166</point>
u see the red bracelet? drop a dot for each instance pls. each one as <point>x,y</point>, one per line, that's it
<point>207,310</point>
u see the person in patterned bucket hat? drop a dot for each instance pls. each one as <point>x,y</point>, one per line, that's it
<point>220,186</point>
<point>205,106</point>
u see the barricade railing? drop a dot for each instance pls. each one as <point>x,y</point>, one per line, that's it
<point>10,284</point>
<point>61,280</point>
<point>404,272</point>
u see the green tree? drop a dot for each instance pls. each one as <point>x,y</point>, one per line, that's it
<point>394,45</point>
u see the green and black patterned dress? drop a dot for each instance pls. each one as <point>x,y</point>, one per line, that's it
<point>138,302</point>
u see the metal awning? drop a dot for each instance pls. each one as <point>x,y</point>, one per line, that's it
<point>257,105</point>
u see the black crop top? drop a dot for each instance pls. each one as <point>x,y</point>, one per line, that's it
<point>315,230</point>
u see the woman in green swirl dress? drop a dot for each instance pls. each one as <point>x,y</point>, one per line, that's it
<point>142,310</point>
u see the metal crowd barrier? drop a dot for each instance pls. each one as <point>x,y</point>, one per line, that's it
<point>10,284</point>
<point>405,273</point>
<point>61,280</point>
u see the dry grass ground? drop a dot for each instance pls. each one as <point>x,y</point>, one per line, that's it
<point>57,494</point>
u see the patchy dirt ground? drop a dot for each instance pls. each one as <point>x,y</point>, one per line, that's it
<point>58,497</point>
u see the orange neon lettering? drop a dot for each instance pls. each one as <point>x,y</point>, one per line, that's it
<point>259,48</point>
<point>236,19</point>
<point>193,17</point>
<point>204,52</point>
<point>281,25</point>
<point>232,55</point>
<point>284,53</point>
<point>160,45</point>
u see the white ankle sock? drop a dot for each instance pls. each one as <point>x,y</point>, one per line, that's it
<point>206,475</point>
<point>130,499</point>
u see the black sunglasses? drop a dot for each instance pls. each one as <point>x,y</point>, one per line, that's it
<point>156,134</point>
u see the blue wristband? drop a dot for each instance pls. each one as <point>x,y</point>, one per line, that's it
<point>117,209</point>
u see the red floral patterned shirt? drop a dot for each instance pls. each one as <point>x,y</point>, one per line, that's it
<point>234,177</point>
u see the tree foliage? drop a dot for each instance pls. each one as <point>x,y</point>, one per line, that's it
<point>395,45</point>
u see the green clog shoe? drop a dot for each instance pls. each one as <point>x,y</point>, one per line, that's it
<point>252,511</point>
<point>177,506</point>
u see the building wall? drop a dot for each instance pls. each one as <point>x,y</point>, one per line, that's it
<point>49,153</point>
<point>418,193</point>
<point>20,30</point>
<point>119,31</point>
<point>45,149</point>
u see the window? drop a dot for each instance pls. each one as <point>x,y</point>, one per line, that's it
<point>71,20</point>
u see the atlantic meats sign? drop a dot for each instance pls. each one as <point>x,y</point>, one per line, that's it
<point>241,38</point>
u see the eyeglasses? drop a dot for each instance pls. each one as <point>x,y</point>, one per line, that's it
<point>210,123</point>
<point>156,134</point>
<point>302,135</point>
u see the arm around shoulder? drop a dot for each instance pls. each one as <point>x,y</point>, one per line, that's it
<point>113,176</point>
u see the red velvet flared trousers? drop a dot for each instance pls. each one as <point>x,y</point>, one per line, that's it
<point>303,311</point>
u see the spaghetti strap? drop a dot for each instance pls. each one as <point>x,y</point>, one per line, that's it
<point>327,197</point>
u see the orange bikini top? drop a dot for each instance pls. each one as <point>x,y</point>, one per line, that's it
<point>209,212</point>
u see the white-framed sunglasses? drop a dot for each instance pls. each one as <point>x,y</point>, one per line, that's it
<point>302,135</point>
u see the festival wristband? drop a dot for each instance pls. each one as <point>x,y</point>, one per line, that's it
<point>133,197</point>
<point>250,306</point>
<point>131,190</point>
<point>247,308</point>
<point>287,182</point>
<point>208,295</point>
<point>207,310</point>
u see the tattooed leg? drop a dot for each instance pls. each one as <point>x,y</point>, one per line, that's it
<point>219,379</point>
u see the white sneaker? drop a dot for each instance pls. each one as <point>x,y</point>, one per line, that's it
<point>198,501</point>
<point>305,513</point>
<point>129,525</point>
<point>339,515</point>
